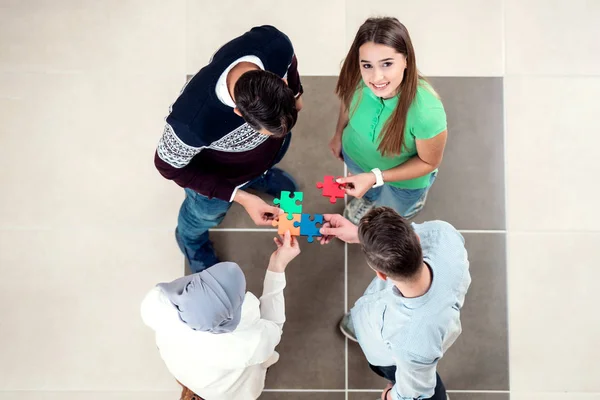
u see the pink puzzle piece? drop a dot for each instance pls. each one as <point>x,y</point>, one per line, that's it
<point>331,188</point>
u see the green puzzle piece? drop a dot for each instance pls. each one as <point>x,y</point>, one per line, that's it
<point>287,202</point>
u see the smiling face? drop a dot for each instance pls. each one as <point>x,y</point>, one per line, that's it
<point>382,68</point>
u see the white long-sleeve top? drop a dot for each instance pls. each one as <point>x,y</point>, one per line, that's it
<point>221,366</point>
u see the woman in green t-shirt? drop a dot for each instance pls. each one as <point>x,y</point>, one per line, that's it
<point>391,130</point>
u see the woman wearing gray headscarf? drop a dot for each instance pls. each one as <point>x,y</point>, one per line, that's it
<point>216,339</point>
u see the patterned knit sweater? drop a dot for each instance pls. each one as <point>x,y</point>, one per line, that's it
<point>205,146</point>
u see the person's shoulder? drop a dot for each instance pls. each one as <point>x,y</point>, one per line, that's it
<point>156,308</point>
<point>154,298</point>
<point>439,236</point>
<point>426,97</point>
<point>250,311</point>
<point>261,36</point>
<point>435,226</point>
<point>268,29</point>
<point>272,31</point>
<point>196,93</point>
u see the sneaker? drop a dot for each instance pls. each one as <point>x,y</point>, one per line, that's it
<point>357,208</point>
<point>274,181</point>
<point>347,328</point>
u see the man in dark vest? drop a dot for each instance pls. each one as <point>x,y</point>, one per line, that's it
<point>227,129</point>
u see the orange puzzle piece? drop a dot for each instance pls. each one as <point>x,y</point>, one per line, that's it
<point>283,224</point>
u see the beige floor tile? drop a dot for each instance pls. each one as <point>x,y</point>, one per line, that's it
<point>552,37</point>
<point>70,309</point>
<point>554,396</point>
<point>110,36</point>
<point>316,29</point>
<point>458,38</point>
<point>553,316</point>
<point>551,153</point>
<point>88,395</point>
<point>79,151</point>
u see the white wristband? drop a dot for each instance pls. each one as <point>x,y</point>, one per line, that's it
<point>378,177</point>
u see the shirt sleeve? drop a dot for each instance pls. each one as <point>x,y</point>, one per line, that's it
<point>415,377</point>
<point>430,118</point>
<point>272,303</point>
<point>152,310</point>
<point>293,78</point>
<point>272,312</point>
<point>173,159</point>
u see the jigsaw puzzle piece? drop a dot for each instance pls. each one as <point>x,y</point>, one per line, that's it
<point>331,188</point>
<point>290,203</point>
<point>308,226</point>
<point>284,224</point>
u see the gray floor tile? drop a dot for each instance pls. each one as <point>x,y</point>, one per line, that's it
<point>312,353</point>
<point>481,352</point>
<point>308,158</point>
<point>479,396</point>
<point>365,395</point>
<point>302,396</point>
<point>469,190</point>
<point>479,358</point>
<point>453,396</point>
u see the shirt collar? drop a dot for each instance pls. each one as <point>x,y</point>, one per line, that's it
<point>388,103</point>
<point>416,302</point>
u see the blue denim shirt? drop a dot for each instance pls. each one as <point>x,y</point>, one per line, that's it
<point>414,333</point>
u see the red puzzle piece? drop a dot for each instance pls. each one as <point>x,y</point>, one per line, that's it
<point>331,188</point>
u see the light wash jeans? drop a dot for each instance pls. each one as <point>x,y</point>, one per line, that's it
<point>407,202</point>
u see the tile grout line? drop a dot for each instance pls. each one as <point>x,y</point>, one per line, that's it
<point>448,390</point>
<point>488,231</point>
<point>170,230</point>
<point>506,219</point>
<point>371,391</point>
<point>489,75</point>
<point>275,230</point>
<point>346,297</point>
<point>481,230</point>
<point>242,230</point>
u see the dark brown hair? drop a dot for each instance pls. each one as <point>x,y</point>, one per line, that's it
<point>265,101</point>
<point>390,243</point>
<point>389,32</point>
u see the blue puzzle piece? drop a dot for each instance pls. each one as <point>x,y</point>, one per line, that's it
<point>308,226</point>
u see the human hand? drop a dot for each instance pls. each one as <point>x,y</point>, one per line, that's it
<point>337,226</point>
<point>387,395</point>
<point>287,249</point>
<point>335,145</point>
<point>261,213</point>
<point>358,185</point>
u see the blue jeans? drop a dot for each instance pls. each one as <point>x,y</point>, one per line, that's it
<point>198,214</point>
<point>407,202</point>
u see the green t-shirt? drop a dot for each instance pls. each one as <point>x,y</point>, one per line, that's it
<point>426,119</point>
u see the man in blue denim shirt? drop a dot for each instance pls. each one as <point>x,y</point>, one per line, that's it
<point>410,314</point>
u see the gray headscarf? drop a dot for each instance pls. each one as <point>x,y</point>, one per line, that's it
<point>211,300</point>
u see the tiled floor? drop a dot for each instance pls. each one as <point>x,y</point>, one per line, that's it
<point>86,223</point>
<point>454,396</point>
<point>313,351</point>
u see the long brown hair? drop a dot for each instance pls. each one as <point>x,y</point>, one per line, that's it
<point>390,32</point>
